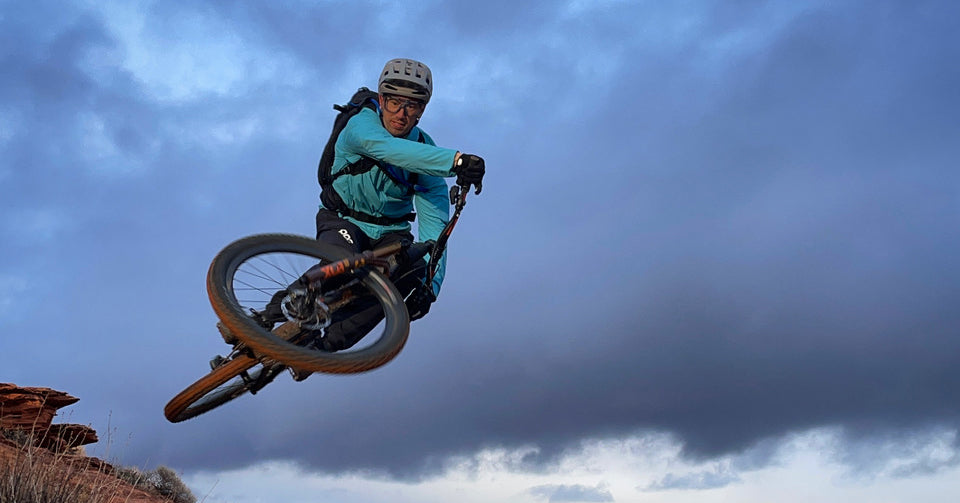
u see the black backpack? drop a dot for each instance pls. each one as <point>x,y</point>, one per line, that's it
<point>363,98</point>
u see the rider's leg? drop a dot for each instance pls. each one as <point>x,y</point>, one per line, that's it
<point>353,323</point>
<point>409,274</point>
<point>409,277</point>
<point>339,232</point>
<point>331,229</point>
<point>361,318</point>
<point>336,231</point>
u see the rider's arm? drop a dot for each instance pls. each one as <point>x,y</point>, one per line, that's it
<point>365,135</point>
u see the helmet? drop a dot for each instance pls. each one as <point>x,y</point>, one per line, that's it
<point>406,77</point>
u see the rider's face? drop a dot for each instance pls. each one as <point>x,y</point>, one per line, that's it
<point>404,115</point>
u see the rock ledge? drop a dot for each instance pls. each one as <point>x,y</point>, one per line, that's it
<point>31,411</point>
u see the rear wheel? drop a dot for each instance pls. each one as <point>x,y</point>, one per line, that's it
<point>226,382</point>
<point>248,274</point>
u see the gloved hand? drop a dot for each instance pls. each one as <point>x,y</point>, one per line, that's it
<point>418,302</point>
<point>469,169</point>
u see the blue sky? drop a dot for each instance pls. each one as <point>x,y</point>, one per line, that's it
<point>715,256</point>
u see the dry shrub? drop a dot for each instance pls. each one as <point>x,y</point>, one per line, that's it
<point>170,486</point>
<point>163,482</point>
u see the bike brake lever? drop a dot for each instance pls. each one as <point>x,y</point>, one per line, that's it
<point>458,195</point>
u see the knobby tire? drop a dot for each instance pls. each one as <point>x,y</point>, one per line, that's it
<point>263,342</point>
<point>197,398</point>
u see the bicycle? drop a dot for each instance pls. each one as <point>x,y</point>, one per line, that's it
<point>305,286</point>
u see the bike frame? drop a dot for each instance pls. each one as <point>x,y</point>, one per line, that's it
<point>458,198</point>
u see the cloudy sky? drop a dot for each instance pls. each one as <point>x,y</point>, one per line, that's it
<point>715,259</point>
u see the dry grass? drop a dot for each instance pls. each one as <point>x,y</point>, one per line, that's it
<point>36,475</point>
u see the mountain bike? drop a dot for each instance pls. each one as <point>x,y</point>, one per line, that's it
<point>274,295</point>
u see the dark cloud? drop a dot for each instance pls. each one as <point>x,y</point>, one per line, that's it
<point>741,231</point>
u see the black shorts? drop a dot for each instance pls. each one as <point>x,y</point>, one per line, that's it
<point>336,231</point>
<point>340,232</point>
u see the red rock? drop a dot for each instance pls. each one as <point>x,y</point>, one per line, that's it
<point>27,413</point>
<point>32,410</point>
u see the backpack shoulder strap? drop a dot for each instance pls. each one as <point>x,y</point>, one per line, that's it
<point>363,98</point>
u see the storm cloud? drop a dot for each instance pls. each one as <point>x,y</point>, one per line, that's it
<point>725,222</point>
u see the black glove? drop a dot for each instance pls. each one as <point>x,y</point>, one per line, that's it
<point>418,302</point>
<point>469,169</point>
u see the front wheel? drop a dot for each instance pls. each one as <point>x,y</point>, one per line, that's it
<point>248,274</point>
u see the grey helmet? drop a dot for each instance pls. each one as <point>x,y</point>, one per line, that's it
<point>406,77</point>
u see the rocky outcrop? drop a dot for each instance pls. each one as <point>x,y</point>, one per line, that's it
<point>30,412</point>
<point>37,451</point>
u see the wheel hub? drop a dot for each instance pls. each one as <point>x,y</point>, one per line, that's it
<point>307,309</point>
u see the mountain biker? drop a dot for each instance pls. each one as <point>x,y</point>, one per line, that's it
<point>409,176</point>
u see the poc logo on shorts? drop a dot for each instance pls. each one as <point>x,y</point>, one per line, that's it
<point>346,235</point>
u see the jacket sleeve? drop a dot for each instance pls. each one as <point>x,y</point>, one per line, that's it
<point>365,135</point>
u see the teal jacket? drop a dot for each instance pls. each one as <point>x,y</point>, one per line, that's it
<point>376,194</point>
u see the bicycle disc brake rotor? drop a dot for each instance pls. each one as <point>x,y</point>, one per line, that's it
<point>306,309</point>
